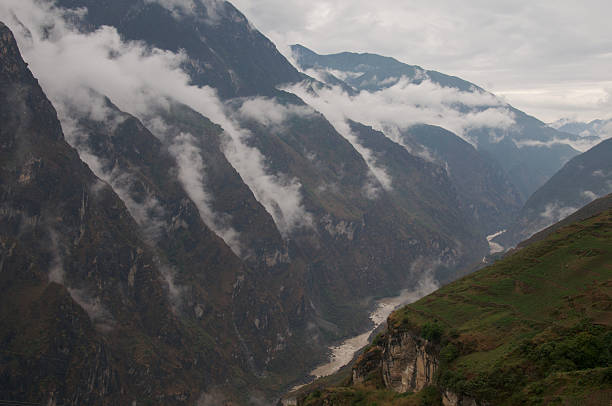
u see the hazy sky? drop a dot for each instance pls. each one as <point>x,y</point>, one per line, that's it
<point>552,59</point>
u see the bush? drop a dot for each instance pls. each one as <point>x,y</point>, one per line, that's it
<point>430,396</point>
<point>432,332</point>
<point>378,340</point>
<point>448,354</point>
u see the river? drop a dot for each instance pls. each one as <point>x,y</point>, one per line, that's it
<point>343,353</point>
<point>493,246</point>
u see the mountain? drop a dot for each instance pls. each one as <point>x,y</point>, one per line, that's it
<point>224,51</point>
<point>583,179</point>
<point>485,190</point>
<point>528,150</point>
<point>593,130</point>
<point>88,308</point>
<point>266,231</point>
<point>533,328</point>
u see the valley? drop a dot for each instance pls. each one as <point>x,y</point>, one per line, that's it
<point>193,214</point>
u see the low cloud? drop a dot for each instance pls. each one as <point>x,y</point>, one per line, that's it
<point>148,212</point>
<point>56,267</point>
<point>590,196</point>
<point>581,144</point>
<point>268,112</point>
<point>191,172</point>
<point>328,102</point>
<point>176,6</point>
<point>554,212</point>
<point>398,107</point>
<point>405,104</point>
<point>94,308</point>
<point>140,80</point>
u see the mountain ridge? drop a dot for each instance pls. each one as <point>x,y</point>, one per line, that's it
<point>528,151</point>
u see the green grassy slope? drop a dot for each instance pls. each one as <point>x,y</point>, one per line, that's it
<point>533,328</point>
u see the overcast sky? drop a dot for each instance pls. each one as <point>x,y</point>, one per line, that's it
<point>552,59</point>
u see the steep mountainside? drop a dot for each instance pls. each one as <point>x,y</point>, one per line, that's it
<point>90,313</point>
<point>583,179</point>
<point>533,328</point>
<point>144,171</point>
<point>484,189</point>
<point>365,239</point>
<point>525,150</point>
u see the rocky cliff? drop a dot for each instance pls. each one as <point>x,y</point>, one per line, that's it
<point>406,361</point>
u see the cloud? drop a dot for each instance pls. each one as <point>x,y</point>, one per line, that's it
<point>148,212</point>
<point>581,144</point>
<point>176,6</point>
<point>554,212</point>
<point>56,267</point>
<point>405,104</point>
<point>330,102</point>
<point>94,308</point>
<point>269,113</point>
<point>398,107</point>
<point>140,80</point>
<point>521,46</point>
<point>590,196</point>
<point>191,172</point>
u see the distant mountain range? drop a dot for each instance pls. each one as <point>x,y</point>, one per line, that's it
<point>596,128</point>
<point>524,149</point>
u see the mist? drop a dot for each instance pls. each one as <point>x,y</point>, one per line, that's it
<point>405,104</point>
<point>70,65</point>
<point>191,171</point>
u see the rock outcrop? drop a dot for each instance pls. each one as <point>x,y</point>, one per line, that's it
<point>409,362</point>
<point>404,361</point>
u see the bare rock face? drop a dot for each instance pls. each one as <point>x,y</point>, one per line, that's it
<point>406,362</point>
<point>409,362</point>
<point>368,366</point>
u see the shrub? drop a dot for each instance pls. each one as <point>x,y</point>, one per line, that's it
<point>449,353</point>
<point>432,332</point>
<point>430,396</point>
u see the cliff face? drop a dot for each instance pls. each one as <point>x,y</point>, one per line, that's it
<point>410,362</point>
<point>406,362</point>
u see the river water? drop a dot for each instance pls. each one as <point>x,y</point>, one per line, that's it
<point>343,353</point>
<point>493,246</point>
